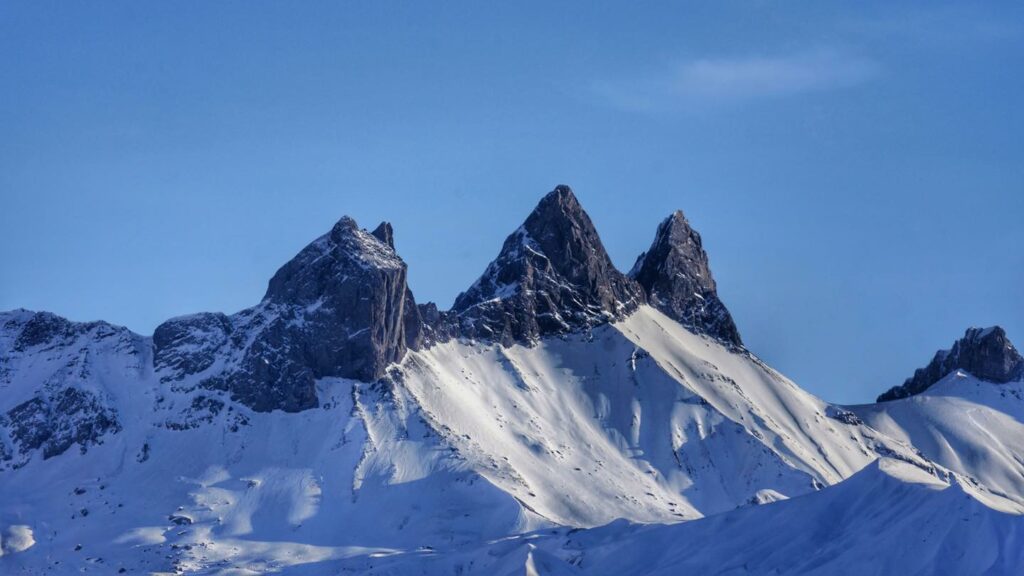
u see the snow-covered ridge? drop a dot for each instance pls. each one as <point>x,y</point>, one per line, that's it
<point>338,426</point>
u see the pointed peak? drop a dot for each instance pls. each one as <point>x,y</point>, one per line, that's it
<point>985,353</point>
<point>676,278</point>
<point>346,223</point>
<point>677,217</point>
<point>676,229</point>
<point>562,191</point>
<point>552,275</point>
<point>385,233</point>
<point>561,201</point>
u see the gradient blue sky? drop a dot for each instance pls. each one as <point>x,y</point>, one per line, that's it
<point>856,170</point>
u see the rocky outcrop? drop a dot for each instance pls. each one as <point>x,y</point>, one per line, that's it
<point>986,353</point>
<point>552,276</point>
<point>189,344</point>
<point>54,423</point>
<point>677,280</point>
<point>340,308</point>
<point>51,370</point>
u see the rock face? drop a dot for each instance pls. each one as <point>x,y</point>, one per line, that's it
<point>411,319</point>
<point>52,371</point>
<point>986,353</point>
<point>552,276</point>
<point>340,308</point>
<point>188,344</point>
<point>54,423</point>
<point>676,279</point>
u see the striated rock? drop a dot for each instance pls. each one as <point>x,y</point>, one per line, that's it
<point>676,279</point>
<point>986,353</point>
<point>552,276</point>
<point>340,308</point>
<point>414,336</point>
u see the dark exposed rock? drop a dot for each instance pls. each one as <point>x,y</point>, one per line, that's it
<point>437,325</point>
<point>189,344</point>
<point>844,416</point>
<point>986,353</point>
<point>45,330</point>
<point>63,357</point>
<point>414,336</point>
<point>42,328</point>
<point>385,233</point>
<point>677,280</point>
<point>54,424</point>
<point>552,276</point>
<point>340,308</point>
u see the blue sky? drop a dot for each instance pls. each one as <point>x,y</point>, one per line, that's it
<point>856,170</point>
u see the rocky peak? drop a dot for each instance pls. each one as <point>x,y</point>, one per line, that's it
<point>385,233</point>
<point>340,308</point>
<point>677,280</point>
<point>346,252</point>
<point>986,353</point>
<point>552,276</point>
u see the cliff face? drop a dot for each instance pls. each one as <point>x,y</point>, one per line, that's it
<point>341,308</point>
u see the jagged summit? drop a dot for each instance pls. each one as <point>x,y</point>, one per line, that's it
<point>345,250</point>
<point>986,353</point>
<point>385,233</point>
<point>552,276</point>
<point>677,280</point>
<point>340,307</point>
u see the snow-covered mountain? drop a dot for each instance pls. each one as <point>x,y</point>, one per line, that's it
<point>339,426</point>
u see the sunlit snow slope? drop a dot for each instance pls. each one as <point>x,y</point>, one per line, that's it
<point>639,419</point>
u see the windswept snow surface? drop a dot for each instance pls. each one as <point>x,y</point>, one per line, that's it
<point>890,518</point>
<point>641,420</point>
<point>972,427</point>
<point>477,458</point>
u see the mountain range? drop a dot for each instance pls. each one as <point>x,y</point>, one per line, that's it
<point>563,417</point>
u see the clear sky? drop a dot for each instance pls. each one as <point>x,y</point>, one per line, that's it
<point>856,169</point>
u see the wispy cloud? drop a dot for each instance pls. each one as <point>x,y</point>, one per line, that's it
<point>716,82</point>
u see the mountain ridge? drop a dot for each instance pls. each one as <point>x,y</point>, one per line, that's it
<point>985,352</point>
<point>338,422</point>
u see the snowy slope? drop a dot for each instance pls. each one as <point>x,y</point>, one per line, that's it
<point>968,425</point>
<point>462,441</point>
<point>890,518</point>
<point>660,425</point>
